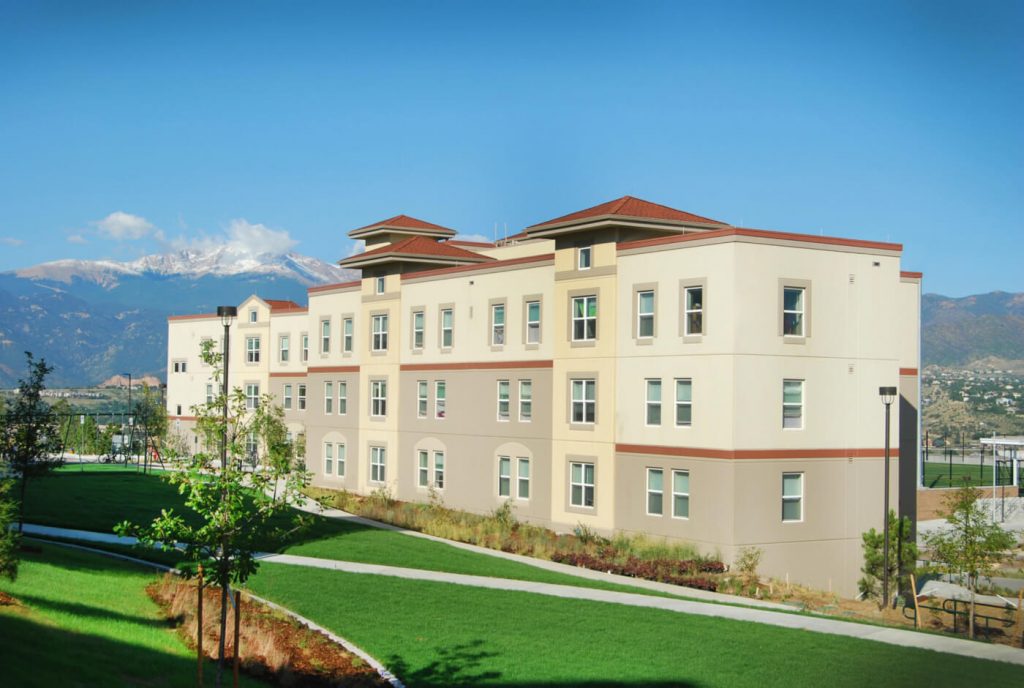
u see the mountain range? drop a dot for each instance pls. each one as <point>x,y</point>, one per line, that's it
<point>95,319</point>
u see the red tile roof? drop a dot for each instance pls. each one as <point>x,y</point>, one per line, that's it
<point>628,206</point>
<point>418,246</point>
<point>478,244</point>
<point>279,305</point>
<point>406,222</point>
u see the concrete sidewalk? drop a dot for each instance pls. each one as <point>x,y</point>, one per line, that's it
<point>891,636</point>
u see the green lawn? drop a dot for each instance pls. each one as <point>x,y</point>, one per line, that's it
<point>431,634</point>
<point>937,475</point>
<point>85,620</point>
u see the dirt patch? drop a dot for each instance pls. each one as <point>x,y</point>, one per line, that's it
<point>6,600</point>
<point>274,647</point>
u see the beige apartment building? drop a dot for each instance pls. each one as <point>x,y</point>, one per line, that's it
<point>629,367</point>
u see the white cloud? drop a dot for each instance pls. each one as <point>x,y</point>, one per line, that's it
<point>357,248</point>
<point>77,239</point>
<point>11,241</point>
<point>242,240</point>
<point>473,237</point>
<point>121,225</point>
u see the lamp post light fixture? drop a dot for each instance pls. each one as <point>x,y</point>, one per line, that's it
<point>227,315</point>
<point>888,395</point>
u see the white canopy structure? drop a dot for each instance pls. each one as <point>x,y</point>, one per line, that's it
<point>1010,447</point>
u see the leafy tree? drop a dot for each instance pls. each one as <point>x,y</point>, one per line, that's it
<point>30,437</point>
<point>9,538</point>
<point>972,545</point>
<point>238,511</point>
<point>874,558</point>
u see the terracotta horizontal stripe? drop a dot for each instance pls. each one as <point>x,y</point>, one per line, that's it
<point>195,316</point>
<point>333,369</point>
<point>911,275</point>
<point>482,266</point>
<point>182,418</point>
<point>297,374</point>
<point>761,234</point>
<point>702,453</point>
<point>911,372</point>
<point>480,365</point>
<point>329,287</point>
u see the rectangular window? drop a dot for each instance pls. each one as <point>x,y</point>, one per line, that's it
<point>328,458</point>
<point>252,349</point>
<point>447,328</point>
<point>523,479</point>
<point>340,455</point>
<point>342,398</point>
<point>302,397</point>
<point>305,348</point>
<point>584,401</point>
<point>583,255</point>
<point>252,396</point>
<point>533,322</point>
<point>584,318</point>
<point>379,285</point>
<point>378,464</point>
<point>209,394</point>
<point>440,399</point>
<point>380,333</point>
<point>693,310</point>
<point>417,329</point>
<point>504,476</point>
<point>792,497</point>
<point>645,314</point>
<point>653,402</point>
<point>793,404</point>
<point>684,401</point>
<point>504,399</point>
<point>498,324</point>
<point>378,398</point>
<point>525,401</point>
<point>328,398</point>
<point>793,311</point>
<point>346,335</point>
<point>325,336</point>
<point>287,397</point>
<point>179,366</point>
<point>655,491</point>
<point>252,315</point>
<point>421,399</point>
<point>581,484</point>
<point>423,473</point>
<point>681,494</point>
<point>284,348</point>
<point>439,470</point>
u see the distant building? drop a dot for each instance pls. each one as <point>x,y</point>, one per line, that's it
<point>629,367</point>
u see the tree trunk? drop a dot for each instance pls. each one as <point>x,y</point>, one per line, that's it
<point>223,622</point>
<point>970,615</point>
<point>21,506</point>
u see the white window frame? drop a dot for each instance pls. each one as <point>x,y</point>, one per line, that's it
<point>340,455</point>
<point>252,396</point>
<point>328,458</point>
<point>792,422</point>
<point>252,315</point>
<point>379,285</point>
<point>523,481</point>
<point>582,485</point>
<point>690,313</point>
<point>533,331</point>
<point>325,336</point>
<point>526,401</point>
<point>378,398</point>
<point>422,398</point>
<point>305,348</point>
<point>379,335</point>
<point>798,314</point>
<point>643,316</point>
<point>252,349</point>
<point>677,494</point>
<point>498,329</point>
<point>347,335</point>
<point>342,397</point>
<point>504,401</point>
<point>581,401</point>
<point>682,383</point>
<point>287,400</point>
<point>418,329</point>
<point>505,476</point>
<point>584,257</point>
<point>439,475</point>
<point>328,398</point>
<point>209,394</point>
<point>378,464</point>
<point>798,499</point>
<point>651,405</point>
<point>448,331</point>
<point>440,399</point>
<point>284,345</point>
<point>422,468</point>
<point>585,319</point>
<point>180,366</point>
<point>301,397</point>
<point>652,492</point>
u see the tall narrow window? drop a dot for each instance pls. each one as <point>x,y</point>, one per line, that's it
<point>340,452</point>
<point>584,318</point>
<point>378,464</point>
<point>284,348</point>
<point>655,491</point>
<point>792,404</point>
<point>440,399</point>
<point>523,479</point>
<point>328,458</point>
<point>439,470</point>
<point>583,256</point>
<point>421,399</point>
<point>302,397</point>
<point>252,349</point>
<point>380,333</point>
<point>693,312</point>
<point>417,330</point>
<point>504,476</point>
<point>525,400</point>
<point>252,315</point>
<point>504,399</point>
<point>653,402</point>
<point>328,398</point>
<point>252,396</point>
<point>325,336</point>
<point>581,484</point>
<point>379,285</point>
<point>209,394</point>
<point>645,314</point>
<point>793,311</point>
<point>342,398</point>
<point>584,401</point>
<point>378,398</point>
<point>305,348</point>
<point>423,471</point>
<point>498,324</point>
<point>346,335</point>
<point>681,494</point>
<point>287,397</point>
<point>684,401</point>
<point>447,328</point>
<point>792,496</point>
<point>533,322</point>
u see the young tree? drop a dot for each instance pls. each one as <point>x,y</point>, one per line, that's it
<point>899,544</point>
<point>238,511</point>
<point>9,538</point>
<point>30,437</point>
<point>972,544</point>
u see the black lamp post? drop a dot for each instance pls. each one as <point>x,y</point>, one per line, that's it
<point>227,315</point>
<point>129,397</point>
<point>888,395</point>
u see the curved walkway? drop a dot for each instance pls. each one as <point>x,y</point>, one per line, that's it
<point>891,636</point>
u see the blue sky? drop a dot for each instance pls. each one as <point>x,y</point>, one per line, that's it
<point>130,127</point>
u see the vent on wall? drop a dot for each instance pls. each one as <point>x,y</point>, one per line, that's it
<point>853,278</point>
<point>851,368</point>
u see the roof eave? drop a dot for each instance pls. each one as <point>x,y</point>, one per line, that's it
<point>359,261</point>
<point>365,232</point>
<point>603,221</point>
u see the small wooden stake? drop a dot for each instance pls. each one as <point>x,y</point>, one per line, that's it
<point>1020,614</point>
<point>238,617</point>
<point>199,629</point>
<point>917,609</point>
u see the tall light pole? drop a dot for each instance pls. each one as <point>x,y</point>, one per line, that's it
<point>227,315</point>
<point>888,395</point>
<point>131,435</point>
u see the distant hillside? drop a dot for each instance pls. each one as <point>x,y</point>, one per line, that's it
<point>956,332</point>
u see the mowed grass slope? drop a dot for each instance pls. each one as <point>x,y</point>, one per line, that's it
<point>85,620</point>
<point>432,634</point>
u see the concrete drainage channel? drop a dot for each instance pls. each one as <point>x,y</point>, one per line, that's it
<point>381,670</point>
